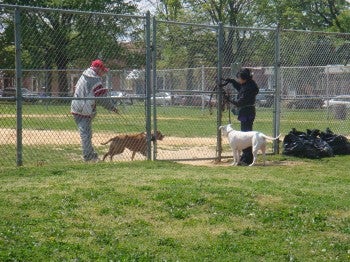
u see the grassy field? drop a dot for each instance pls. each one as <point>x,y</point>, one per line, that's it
<point>172,120</point>
<point>292,210</point>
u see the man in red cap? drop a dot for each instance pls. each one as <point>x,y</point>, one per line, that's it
<point>90,86</point>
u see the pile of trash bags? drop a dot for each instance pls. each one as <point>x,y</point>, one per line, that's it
<point>315,144</point>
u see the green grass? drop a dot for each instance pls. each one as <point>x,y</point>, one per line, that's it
<point>174,121</point>
<point>293,210</point>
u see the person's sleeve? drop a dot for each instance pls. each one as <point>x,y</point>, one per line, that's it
<point>108,103</point>
<point>243,99</point>
<point>234,83</point>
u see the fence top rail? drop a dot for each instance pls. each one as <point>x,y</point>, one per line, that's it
<point>314,32</point>
<point>69,11</point>
<point>67,70</point>
<point>313,67</point>
<point>217,26</point>
<point>188,24</point>
<point>247,28</point>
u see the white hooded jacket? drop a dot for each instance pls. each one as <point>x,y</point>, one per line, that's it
<point>89,85</point>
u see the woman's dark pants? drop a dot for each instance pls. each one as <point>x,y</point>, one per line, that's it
<point>247,155</point>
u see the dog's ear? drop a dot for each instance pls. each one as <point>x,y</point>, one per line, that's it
<point>221,127</point>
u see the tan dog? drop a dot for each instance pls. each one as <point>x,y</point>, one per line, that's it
<point>133,142</point>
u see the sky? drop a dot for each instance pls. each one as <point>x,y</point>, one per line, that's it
<point>148,5</point>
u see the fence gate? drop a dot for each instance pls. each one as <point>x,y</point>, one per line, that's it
<point>190,59</point>
<point>186,75</point>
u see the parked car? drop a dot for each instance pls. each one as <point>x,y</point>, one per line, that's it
<point>304,102</point>
<point>121,97</point>
<point>264,98</point>
<point>199,100</point>
<point>163,98</point>
<point>27,95</point>
<point>194,100</point>
<point>338,100</point>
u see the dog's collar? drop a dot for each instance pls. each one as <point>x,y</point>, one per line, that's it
<point>230,131</point>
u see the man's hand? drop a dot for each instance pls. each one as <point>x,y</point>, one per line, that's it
<point>115,110</point>
<point>226,97</point>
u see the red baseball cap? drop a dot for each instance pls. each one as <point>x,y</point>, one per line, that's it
<point>99,64</point>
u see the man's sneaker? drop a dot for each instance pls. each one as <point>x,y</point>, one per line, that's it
<point>93,160</point>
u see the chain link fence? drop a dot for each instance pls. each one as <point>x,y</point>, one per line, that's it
<point>315,81</point>
<point>254,49</point>
<point>186,62</point>
<point>303,79</point>
<point>56,47</point>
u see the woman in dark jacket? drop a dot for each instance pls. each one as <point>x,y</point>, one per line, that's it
<point>245,105</point>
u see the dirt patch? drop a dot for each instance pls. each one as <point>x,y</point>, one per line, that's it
<point>171,148</point>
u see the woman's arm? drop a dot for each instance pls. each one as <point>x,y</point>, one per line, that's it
<point>234,83</point>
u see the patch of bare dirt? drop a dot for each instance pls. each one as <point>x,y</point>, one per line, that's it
<point>170,148</point>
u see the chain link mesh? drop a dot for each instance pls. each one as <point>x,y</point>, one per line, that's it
<point>315,81</point>
<point>254,49</point>
<point>58,45</point>
<point>186,79</point>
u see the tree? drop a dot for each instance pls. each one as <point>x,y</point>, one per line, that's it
<point>59,40</point>
<point>301,14</point>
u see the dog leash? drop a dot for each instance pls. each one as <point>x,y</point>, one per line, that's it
<point>229,116</point>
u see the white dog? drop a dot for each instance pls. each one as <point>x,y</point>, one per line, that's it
<point>240,140</point>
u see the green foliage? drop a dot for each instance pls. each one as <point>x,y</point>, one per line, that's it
<point>185,46</point>
<point>344,22</point>
<point>62,40</point>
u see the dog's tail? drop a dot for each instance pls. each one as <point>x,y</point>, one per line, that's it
<point>110,140</point>
<point>270,137</point>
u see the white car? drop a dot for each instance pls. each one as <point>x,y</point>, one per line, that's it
<point>121,97</point>
<point>162,98</point>
<point>338,100</point>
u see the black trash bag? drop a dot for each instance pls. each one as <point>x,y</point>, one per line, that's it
<point>306,145</point>
<point>339,143</point>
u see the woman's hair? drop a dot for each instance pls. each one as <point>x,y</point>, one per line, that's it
<point>245,74</point>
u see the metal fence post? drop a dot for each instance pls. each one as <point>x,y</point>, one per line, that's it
<point>148,85</point>
<point>219,90</point>
<point>154,76</point>
<point>277,83</point>
<point>18,64</point>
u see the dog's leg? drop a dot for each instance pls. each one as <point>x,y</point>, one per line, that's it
<point>235,157</point>
<point>263,150</point>
<point>256,144</point>
<point>105,155</point>
<point>133,155</point>
<point>255,154</point>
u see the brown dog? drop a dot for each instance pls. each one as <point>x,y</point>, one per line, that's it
<point>133,142</point>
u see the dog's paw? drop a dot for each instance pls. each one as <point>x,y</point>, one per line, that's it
<point>234,164</point>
